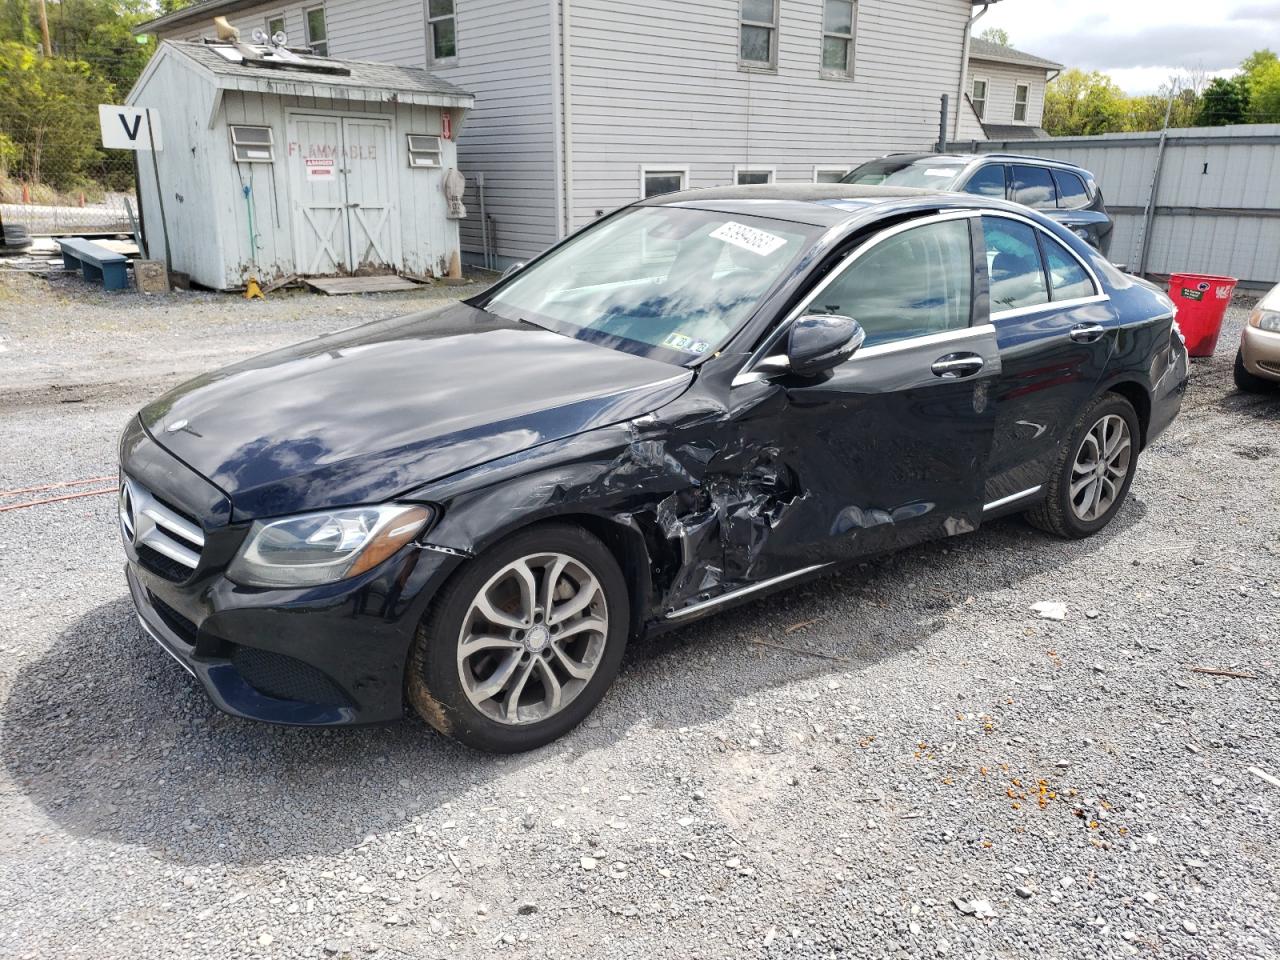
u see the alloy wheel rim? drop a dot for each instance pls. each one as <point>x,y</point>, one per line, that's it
<point>1101,466</point>
<point>533,637</point>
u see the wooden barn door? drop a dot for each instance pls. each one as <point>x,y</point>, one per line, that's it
<point>369,192</point>
<point>321,234</point>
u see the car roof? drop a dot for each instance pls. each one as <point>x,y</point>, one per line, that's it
<point>970,157</point>
<point>818,204</point>
<point>825,204</point>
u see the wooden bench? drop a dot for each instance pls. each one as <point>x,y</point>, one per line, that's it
<point>96,263</point>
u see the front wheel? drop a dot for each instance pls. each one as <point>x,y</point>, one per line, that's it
<point>1094,471</point>
<point>523,643</point>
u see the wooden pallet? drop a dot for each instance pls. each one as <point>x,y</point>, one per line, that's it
<point>336,286</point>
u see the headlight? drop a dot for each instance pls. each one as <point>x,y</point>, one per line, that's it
<point>316,548</point>
<point>1266,320</point>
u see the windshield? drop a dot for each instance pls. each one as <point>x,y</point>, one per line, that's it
<point>663,282</point>
<point>926,172</point>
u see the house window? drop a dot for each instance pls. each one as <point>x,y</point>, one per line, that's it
<point>838,26</point>
<point>442,24</point>
<point>979,98</point>
<point>275,25</point>
<point>655,181</point>
<point>752,176</point>
<point>317,32</point>
<point>1021,94</point>
<point>758,43</point>
<point>829,174</point>
<point>252,144</point>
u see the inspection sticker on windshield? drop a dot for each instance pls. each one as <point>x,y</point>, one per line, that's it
<point>749,238</point>
<point>678,341</point>
<point>940,172</point>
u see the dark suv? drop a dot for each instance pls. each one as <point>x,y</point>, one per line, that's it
<point>1061,191</point>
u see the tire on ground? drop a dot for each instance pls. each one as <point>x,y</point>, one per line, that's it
<point>432,680</point>
<point>1054,514</point>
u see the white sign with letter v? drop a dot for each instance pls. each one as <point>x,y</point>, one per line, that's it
<point>126,128</point>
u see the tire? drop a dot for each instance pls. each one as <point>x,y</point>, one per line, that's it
<point>1059,513</point>
<point>448,687</point>
<point>1246,381</point>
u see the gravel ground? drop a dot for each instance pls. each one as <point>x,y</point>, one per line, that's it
<point>899,761</point>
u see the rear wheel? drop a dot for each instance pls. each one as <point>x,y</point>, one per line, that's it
<point>523,643</point>
<point>1246,381</point>
<point>1094,471</point>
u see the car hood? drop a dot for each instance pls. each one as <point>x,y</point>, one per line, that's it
<point>366,414</point>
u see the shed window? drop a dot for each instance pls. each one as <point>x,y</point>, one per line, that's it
<point>275,25</point>
<point>752,176</point>
<point>655,182</point>
<point>1021,94</point>
<point>424,151</point>
<point>758,38</point>
<point>839,21</point>
<point>317,32</point>
<point>442,23</point>
<point>829,174</point>
<point>252,144</point>
<point>979,98</point>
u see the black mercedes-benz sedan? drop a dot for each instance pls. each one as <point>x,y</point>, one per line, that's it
<point>696,400</point>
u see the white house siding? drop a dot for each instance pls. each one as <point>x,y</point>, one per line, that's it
<point>1002,80</point>
<point>247,21</point>
<point>505,60</point>
<point>675,96</point>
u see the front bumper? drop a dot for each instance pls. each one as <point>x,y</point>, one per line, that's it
<point>1260,351</point>
<point>319,656</point>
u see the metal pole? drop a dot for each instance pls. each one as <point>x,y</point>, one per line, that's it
<point>155,167</point>
<point>942,127</point>
<point>44,30</point>
<point>141,235</point>
<point>1149,215</point>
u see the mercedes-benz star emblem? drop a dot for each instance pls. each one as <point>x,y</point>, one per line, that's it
<point>176,426</point>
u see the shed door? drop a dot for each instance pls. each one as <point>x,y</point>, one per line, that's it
<point>320,197</point>
<point>368,175</point>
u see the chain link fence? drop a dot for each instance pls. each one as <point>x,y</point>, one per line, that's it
<point>56,193</point>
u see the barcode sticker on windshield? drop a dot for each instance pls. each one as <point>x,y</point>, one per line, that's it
<point>940,172</point>
<point>749,238</point>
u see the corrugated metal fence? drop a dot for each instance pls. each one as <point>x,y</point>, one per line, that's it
<point>1216,204</point>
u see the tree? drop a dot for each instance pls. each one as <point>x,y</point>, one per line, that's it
<point>48,108</point>
<point>1264,94</point>
<point>1079,104</point>
<point>997,36</point>
<point>1225,102</point>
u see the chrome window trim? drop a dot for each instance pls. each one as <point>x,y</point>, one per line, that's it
<point>928,340</point>
<point>748,373</point>
<point>1100,296</point>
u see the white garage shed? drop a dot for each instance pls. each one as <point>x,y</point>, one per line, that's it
<point>275,164</point>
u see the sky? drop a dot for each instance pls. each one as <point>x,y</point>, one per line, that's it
<point>1140,43</point>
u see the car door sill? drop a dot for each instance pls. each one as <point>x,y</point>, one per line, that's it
<point>1005,501</point>
<point>741,592</point>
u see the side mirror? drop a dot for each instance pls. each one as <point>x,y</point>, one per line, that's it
<point>514,268</point>
<point>820,341</point>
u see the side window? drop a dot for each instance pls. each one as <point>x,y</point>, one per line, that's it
<point>988,181</point>
<point>1067,279</point>
<point>1033,187</point>
<point>1013,261</point>
<point>911,285</point>
<point>1072,193</point>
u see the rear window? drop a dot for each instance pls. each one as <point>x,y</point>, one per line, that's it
<point>1033,187</point>
<point>1072,193</point>
<point>928,173</point>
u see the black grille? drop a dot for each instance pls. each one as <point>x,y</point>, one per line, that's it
<point>163,566</point>
<point>175,621</point>
<point>285,678</point>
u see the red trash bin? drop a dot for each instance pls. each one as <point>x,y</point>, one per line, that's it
<point>1202,304</point>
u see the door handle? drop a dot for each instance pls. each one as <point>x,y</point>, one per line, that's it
<point>956,365</point>
<point>1088,332</point>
